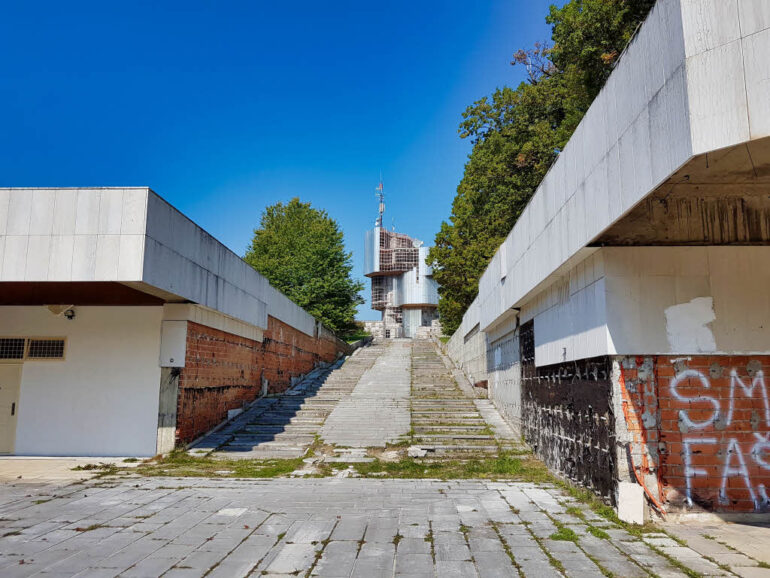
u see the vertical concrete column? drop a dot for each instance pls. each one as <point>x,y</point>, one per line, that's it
<point>167,409</point>
<point>173,351</point>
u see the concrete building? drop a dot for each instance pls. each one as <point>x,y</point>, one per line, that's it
<point>126,329</point>
<point>624,324</point>
<point>403,288</point>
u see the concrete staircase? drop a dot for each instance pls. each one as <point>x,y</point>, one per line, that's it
<point>445,422</point>
<point>287,425</point>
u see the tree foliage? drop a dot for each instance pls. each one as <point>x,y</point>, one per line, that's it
<point>301,251</point>
<point>517,134</point>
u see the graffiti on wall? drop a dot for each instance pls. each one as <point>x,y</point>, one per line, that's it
<point>743,449</point>
<point>701,429</point>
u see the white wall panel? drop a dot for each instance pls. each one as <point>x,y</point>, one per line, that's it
<point>42,209</point>
<point>83,258</point>
<point>19,214</point>
<point>643,282</point>
<point>709,24</point>
<point>5,199</point>
<point>65,212</point>
<point>99,401</point>
<point>38,255</point>
<point>60,261</point>
<point>14,258</point>
<point>754,16</point>
<point>756,55</point>
<point>717,97</point>
<point>107,256</point>
<point>134,212</point>
<point>87,212</point>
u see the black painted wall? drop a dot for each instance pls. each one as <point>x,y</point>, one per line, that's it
<point>567,415</point>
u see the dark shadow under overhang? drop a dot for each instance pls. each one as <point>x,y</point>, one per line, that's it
<point>74,293</point>
<point>720,198</point>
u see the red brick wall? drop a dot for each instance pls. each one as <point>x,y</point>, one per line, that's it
<point>223,371</point>
<point>703,426</point>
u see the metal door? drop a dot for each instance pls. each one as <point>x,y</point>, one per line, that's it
<point>10,382</point>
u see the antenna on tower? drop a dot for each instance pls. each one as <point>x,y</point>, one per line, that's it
<point>381,195</point>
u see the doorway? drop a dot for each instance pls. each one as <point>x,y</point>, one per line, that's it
<point>10,382</point>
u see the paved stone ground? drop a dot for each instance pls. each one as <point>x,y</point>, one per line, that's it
<point>147,527</point>
<point>53,470</point>
<point>324,527</point>
<point>742,546</point>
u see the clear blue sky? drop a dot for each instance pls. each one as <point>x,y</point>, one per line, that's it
<point>226,107</point>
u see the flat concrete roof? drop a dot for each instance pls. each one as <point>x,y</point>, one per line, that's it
<point>131,236</point>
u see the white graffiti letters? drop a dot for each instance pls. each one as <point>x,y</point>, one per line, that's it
<point>689,471</point>
<point>728,471</point>
<point>725,444</point>
<point>684,414</point>
<point>759,380</point>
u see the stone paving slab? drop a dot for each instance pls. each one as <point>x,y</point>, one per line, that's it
<point>743,545</point>
<point>319,527</point>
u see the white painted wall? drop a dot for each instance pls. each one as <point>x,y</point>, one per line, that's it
<point>655,300</point>
<point>504,371</point>
<point>570,315</point>
<point>70,234</point>
<point>658,299</point>
<point>469,351</point>
<point>102,400</point>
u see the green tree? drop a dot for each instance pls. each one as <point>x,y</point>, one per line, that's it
<point>301,251</point>
<point>518,133</point>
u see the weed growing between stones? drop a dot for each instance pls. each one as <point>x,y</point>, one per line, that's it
<point>101,468</point>
<point>565,534</point>
<point>430,540</point>
<point>502,466</point>
<point>598,533</point>
<point>181,464</point>
<point>90,528</point>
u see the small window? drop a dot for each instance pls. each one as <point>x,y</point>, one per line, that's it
<point>45,349</point>
<point>21,348</point>
<point>12,348</point>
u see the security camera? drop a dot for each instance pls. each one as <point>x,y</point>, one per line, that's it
<point>67,311</point>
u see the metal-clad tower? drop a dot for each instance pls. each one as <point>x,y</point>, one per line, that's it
<point>403,288</point>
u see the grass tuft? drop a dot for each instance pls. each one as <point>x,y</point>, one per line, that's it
<point>502,466</point>
<point>598,532</point>
<point>565,535</point>
<point>181,464</point>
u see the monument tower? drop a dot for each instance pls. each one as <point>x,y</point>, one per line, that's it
<point>403,288</point>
